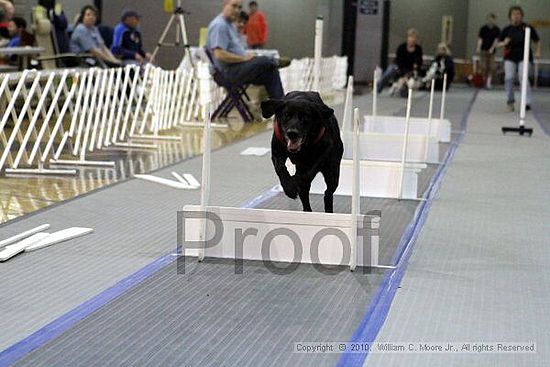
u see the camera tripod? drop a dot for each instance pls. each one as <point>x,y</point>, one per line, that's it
<point>181,31</point>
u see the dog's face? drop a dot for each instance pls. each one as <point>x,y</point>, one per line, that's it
<point>298,120</point>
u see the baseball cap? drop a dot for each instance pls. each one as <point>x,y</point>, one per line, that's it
<point>130,13</point>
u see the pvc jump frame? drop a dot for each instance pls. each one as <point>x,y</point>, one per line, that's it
<point>428,135</point>
<point>382,169</point>
<point>258,213</point>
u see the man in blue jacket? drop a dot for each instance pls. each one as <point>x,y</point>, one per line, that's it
<point>127,43</point>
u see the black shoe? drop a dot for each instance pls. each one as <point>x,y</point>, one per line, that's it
<point>528,107</point>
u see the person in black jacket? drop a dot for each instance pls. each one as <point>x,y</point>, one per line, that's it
<point>408,59</point>
<point>512,38</point>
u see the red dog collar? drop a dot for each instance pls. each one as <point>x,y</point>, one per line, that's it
<point>280,138</point>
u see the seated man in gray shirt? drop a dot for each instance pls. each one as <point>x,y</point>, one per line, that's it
<point>238,66</point>
<point>86,37</point>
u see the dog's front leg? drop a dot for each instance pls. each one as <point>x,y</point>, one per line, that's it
<point>287,182</point>
<point>304,185</point>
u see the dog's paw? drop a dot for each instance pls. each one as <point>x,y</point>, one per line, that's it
<point>290,188</point>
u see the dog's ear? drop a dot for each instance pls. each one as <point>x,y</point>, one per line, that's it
<point>270,107</point>
<point>325,111</point>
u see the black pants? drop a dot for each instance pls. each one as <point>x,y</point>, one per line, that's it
<point>260,70</point>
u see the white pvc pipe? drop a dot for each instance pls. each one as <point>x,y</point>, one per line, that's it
<point>106,108</point>
<point>317,53</point>
<point>524,76</point>
<point>81,81</point>
<point>89,123</point>
<point>405,144</point>
<point>113,107</point>
<point>186,96</point>
<point>131,98</point>
<point>149,106</point>
<point>443,96</point>
<point>20,236</point>
<point>122,100</point>
<point>375,94</point>
<point>355,197</point>
<point>179,98</point>
<point>194,92</point>
<point>432,92</point>
<point>157,103</point>
<point>140,98</point>
<point>98,108</point>
<point>170,98</point>
<point>82,123</point>
<point>205,185</point>
<point>346,119</point>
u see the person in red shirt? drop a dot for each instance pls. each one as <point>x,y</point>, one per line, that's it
<point>256,28</point>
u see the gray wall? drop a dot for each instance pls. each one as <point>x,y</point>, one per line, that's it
<point>469,16</point>
<point>72,8</point>
<point>426,16</point>
<point>291,23</point>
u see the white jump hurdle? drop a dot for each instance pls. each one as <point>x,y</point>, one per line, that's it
<point>439,129</point>
<point>379,178</point>
<point>278,235</point>
<point>286,236</point>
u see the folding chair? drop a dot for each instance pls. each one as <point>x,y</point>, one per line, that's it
<point>235,94</point>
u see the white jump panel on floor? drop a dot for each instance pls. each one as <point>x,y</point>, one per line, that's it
<point>275,231</point>
<point>389,147</point>
<point>439,129</point>
<point>378,179</point>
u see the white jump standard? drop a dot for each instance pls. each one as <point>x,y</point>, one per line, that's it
<point>521,129</point>
<point>275,235</point>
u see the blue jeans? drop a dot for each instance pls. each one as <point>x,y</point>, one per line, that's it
<point>261,70</point>
<point>510,70</point>
<point>390,73</point>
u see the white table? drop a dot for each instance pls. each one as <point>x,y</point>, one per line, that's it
<point>25,53</point>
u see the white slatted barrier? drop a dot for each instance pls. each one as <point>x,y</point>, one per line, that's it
<point>59,118</point>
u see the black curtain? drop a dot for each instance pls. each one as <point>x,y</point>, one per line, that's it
<point>385,35</point>
<point>348,34</point>
<point>99,5</point>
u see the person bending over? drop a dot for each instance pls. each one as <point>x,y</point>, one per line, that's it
<point>86,37</point>
<point>512,39</point>
<point>408,59</point>
<point>238,66</point>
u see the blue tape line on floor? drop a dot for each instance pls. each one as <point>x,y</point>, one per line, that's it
<point>65,322</point>
<point>55,328</point>
<point>379,307</point>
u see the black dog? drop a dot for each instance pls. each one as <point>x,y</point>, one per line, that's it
<point>306,131</point>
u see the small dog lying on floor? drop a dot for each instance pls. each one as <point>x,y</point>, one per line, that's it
<point>306,131</point>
